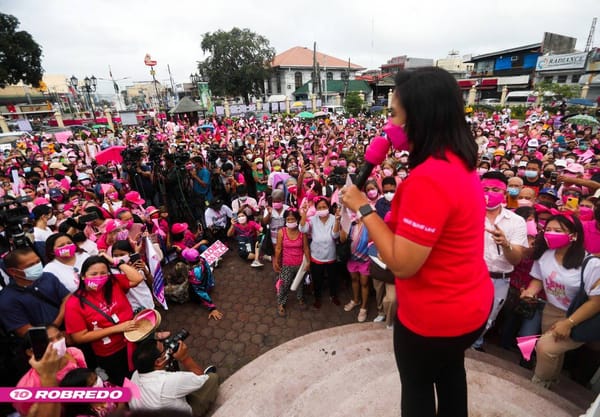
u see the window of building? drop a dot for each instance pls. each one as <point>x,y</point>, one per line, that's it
<point>548,79</point>
<point>298,80</point>
<point>575,78</point>
<point>561,79</point>
<point>329,76</point>
<point>278,83</point>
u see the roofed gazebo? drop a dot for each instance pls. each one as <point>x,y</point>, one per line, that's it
<point>189,107</point>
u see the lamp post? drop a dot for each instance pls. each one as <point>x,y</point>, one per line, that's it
<point>89,86</point>
<point>195,78</point>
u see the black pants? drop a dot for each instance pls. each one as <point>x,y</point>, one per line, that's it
<point>317,274</point>
<point>428,363</point>
<point>115,366</point>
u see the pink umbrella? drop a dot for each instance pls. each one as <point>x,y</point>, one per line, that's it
<point>110,154</point>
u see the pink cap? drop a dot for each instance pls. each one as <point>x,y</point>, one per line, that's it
<point>179,228</point>
<point>112,225</point>
<point>134,197</point>
<point>190,254</point>
<point>40,201</point>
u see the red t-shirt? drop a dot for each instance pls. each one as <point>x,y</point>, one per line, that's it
<point>78,317</point>
<point>441,205</point>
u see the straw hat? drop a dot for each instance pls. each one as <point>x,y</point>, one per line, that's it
<point>147,321</point>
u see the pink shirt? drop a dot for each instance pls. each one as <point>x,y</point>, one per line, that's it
<point>591,235</point>
<point>293,249</point>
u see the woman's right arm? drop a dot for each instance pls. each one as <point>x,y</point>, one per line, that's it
<point>533,289</point>
<point>88,336</point>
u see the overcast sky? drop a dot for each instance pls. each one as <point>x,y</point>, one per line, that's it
<point>85,37</point>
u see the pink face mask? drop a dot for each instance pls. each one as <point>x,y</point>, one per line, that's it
<point>96,283</point>
<point>523,202</point>
<point>397,136</point>
<point>66,251</point>
<point>129,224</point>
<point>278,205</point>
<point>292,189</point>
<point>557,240</point>
<point>322,213</point>
<point>387,172</point>
<point>372,194</point>
<point>531,228</point>
<point>493,200</point>
<point>342,163</point>
<point>113,196</point>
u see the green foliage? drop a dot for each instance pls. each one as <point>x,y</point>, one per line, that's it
<point>565,91</point>
<point>353,103</point>
<point>20,55</point>
<point>239,62</point>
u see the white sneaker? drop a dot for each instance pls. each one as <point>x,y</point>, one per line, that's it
<point>256,264</point>
<point>379,318</point>
<point>267,258</point>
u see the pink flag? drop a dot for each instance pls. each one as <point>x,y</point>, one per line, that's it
<point>527,346</point>
<point>133,388</point>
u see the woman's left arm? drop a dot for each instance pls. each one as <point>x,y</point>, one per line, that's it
<point>562,328</point>
<point>133,275</point>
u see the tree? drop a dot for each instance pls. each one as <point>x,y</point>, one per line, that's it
<point>563,91</point>
<point>20,55</point>
<point>353,103</point>
<point>239,62</point>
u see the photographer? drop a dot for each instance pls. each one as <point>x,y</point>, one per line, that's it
<point>200,186</point>
<point>177,182</point>
<point>192,391</point>
<point>139,175</point>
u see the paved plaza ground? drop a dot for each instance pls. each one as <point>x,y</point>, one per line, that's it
<point>250,325</point>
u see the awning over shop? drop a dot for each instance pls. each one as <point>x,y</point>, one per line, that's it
<point>466,84</point>
<point>483,84</point>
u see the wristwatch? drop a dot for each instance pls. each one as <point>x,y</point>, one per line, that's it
<point>364,211</point>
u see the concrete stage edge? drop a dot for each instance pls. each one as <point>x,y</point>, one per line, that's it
<point>350,370</point>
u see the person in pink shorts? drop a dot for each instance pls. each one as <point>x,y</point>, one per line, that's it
<point>358,266</point>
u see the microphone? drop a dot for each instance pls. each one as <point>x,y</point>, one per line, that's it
<point>374,155</point>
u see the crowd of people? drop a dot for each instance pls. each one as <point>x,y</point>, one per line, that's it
<point>273,189</point>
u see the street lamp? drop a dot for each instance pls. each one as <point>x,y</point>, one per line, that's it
<point>89,86</point>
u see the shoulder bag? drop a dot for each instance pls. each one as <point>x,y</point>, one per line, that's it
<point>588,330</point>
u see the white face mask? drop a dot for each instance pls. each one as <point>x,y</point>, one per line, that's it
<point>51,221</point>
<point>61,347</point>
<point>389,196</point>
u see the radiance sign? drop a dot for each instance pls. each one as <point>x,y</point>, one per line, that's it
<point>561,62</point>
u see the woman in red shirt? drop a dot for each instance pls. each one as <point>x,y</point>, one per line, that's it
<point>433,243</point>
<point>99,313</point>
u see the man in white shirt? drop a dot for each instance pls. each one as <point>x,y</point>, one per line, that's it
<point>505,239</point>
<point>161,389</point>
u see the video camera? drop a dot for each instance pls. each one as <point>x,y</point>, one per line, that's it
<point>12,216</point>
<point>171,345</point>
<point>131,156</point>
<point>156,149</point>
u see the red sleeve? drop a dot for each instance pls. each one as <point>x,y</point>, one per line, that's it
<point>123,282</point>
<point>74,320</point>
<point>420,212</point>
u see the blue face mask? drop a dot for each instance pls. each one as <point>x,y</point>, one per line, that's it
<point>34,272</point>
<point>531,174</point>
<point>513,191</point>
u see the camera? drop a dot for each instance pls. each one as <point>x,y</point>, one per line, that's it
<point>171,343</point>
<point>13,214</point>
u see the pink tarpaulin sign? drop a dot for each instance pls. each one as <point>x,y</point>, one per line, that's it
<point>214,252</point>
<point>62,137</point>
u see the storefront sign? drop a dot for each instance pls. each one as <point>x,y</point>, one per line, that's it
<point>561,62</point>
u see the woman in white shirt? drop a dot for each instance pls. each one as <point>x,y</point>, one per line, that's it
<point>140,297</point>
<point>43,218</point>
<point>324,229</point>
<point>65,260</point>
<point>559,254</point>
